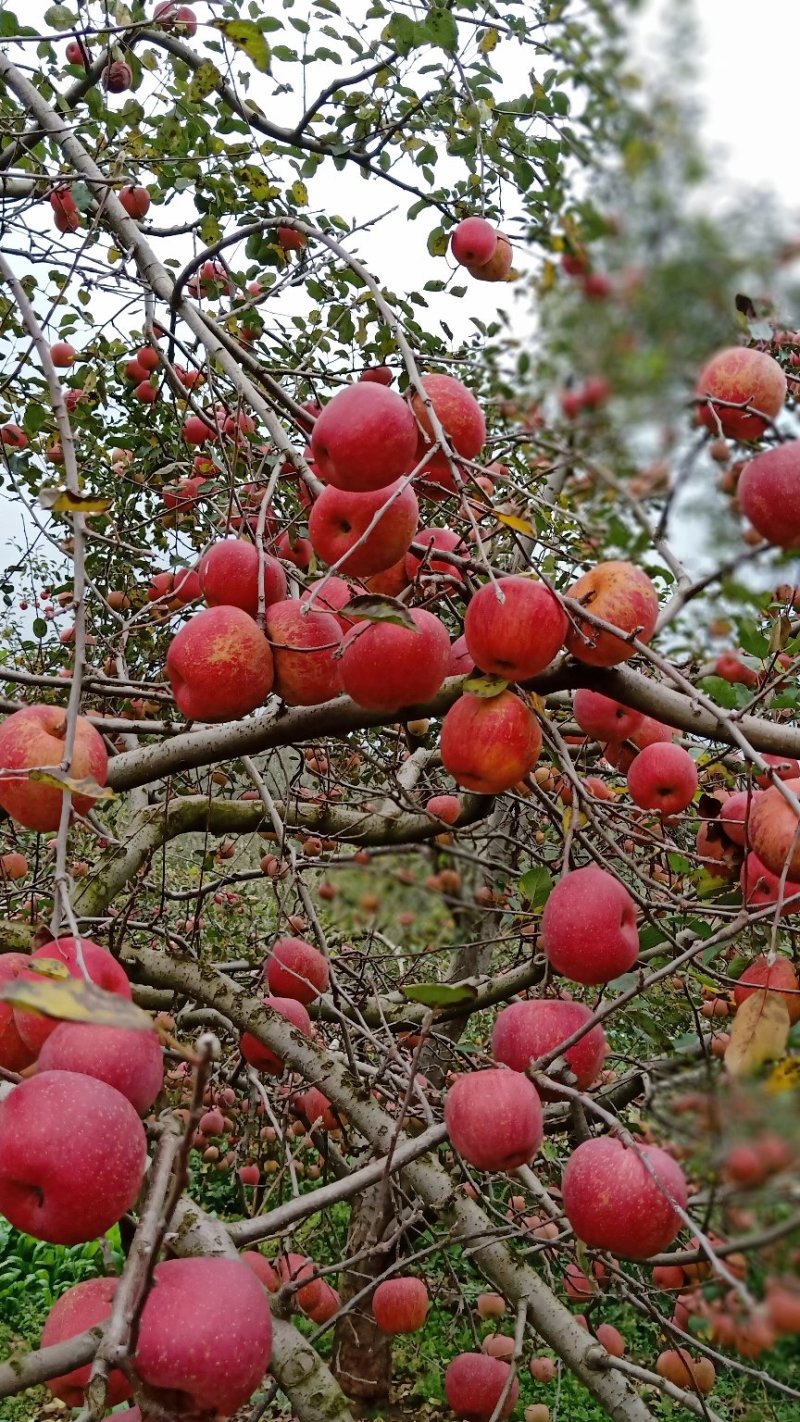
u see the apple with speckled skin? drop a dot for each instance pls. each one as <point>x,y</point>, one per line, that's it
<point>742,377</point>
<point>219,665</point>
<point>514,627</point>
<point>527,1030</point>
<point>15,1054</point>
<point>229,572</point>
<point>304,648</point>
<point>400,1304</point>
<point>365,438</point>
<point>621,594</point>
<point>494,1118</point>
<point>663,777</point>
<point>603,718</point>
<point>458,412</point>
<point>613,1202</point>
<point>488,744</point>
<point>760,886</point>
<point>128,1059</point>
<point>473,242</point>
<point>35,737</point>
<point>204,1339</point>
<point>72,1157</point>
<point>768,494</point>
<point>81,1307</point>
<point>589,928</point>
<point>774,831</point>
<point>340,520</point>
<point>385,666</point>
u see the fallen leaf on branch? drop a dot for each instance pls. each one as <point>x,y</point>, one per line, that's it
<point>759,1033</point>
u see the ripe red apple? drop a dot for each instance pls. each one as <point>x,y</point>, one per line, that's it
<point>760,886</point>
<point>603,718</point>
<point>15,1054</point>
<point>146,392</point>
<point>129,1060</point>
<point>149,358</point>
<point>260,1056</point>
<point>768,494</point>
<point>315,1109</point>
<point>179,588</point>
<point>589,927</point>
<point>621,594</point>
<point>461,663</point>
<point>196,430</point>
<point>613,1202</point>
<point>135,372</point>
<point>778,977</point>
<point>488,744</point>
<point>102,968</point>
<point>296,969</point>
<point>433,539</point>
<point>339,521</point>
<point>611,1339</point>
<point>72,1157</point>
<point>735,814</point>
<point>385,666</point>
<point>290,239</point>
<point>514,628</point>
<point>228,575</point>
<point>205,1336</point>
<point>365,438</point>
<point>744,377</point>
<point>12,436</point>
<point>663,777</point>
<point>295,1269</point>
<point>474,1384</point>
<point>494,1118</point>
<point>459,414</point>
<point>328,1306</point>
<point>81,1307</point>
<point>597,286</point>
<point>76,54</point>
<point>294,550</point>
<point>785,767</point>
<point>219,665</point>
<point>730,667</point>
<point>330,594</point>
<point>400,1304</point>
<point>773,830</point>
<point>499,264</point>
<point>444,807</point>
<point>135,200</point>
<point>304,647</point>
<point>33,738</point>
<point>63,354</point>
<point>473,242</point>
<point>262,1269</point>
<point>525,1031</point>
<point>377,374</point>
<point>171,16</point>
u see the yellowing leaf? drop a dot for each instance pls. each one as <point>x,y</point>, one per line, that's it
<point>62,501</point>
<point>59,781</point>
<point>298,193</point>
<point>759,1033</point>
<point>536,703</point>
<point>487,687</point>
<point>548,278</point>
<point>520,525</point>
<point>259,184</point>
<point>74,1000</point>
<point>784,1077</point>
<point>488,42</point>
<point>206,79</point>
<point>246,35</point>
<point>373,607</point>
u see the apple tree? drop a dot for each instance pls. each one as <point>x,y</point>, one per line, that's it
<point>402,833</point>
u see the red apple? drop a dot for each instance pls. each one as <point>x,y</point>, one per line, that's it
<point>295,1269</point>
<point>135,200</point>
<point>461,663</point>
<point>315,1109</point>
<point>730,667</point>
<point>735,814</point>
<point>589,927</point>
<point>389,584</point>
<point>444,807</point>
<point>146,392</point>
<point>473,242</point>
<point>294,550</point>
<point>129,1060</point>
<point>296,969</point>
<point>603,718</point>
<point>290,239</point>
<point>458,412</point>
<point>228,575</point>
<point>365,438</point>
<point>72,1157</point>
<point>488,744</point>
<point>13,437</point>
<point>76,54</point>
<point>773,830</point>
<point>172,16</point>
<point>15,1054</point>
<point>400,1304</point>
<point>81,1307</point>
<point>330,594</point>
<point>778,977</point>
<point>433,539</point>
<point>525,1031</point>
<point>340,520</point>
<point>494,1118</point>
<point>262,1269</point>
<point>768,493</point>
<point>514,627</point>
<point>663,777</point>
<point>73,955</point>
<point>784,766</point>
<point>260,1056</point>
<point>34,738</point>
<point>63,354</point>
<point>744,377</point>
<point>328,1306</point>
<point>197,430</point>
<point>205,1336</point>
<point>760,886</point>
<point>613,1202</point>
<point>219,665</point>
<point>385,666</point>
<point>621,594</point>
<point>377,374</point>
<point>597,286</point>
<point>499,264</point>
<point>474,1384</point>
<point>304,646</point>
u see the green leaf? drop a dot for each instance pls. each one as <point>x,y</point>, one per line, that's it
<point>536,885</point>
<point>403,34</point>
<point>206,80</point>
<point>441,994</point>
<point>438,242</point>
<point>370,607</point>
<point>720,691</point>
<point>247,36</point>
<point>442,30</point>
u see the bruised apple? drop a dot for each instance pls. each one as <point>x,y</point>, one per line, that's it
<point>525,1031</point>
<point>488,744</point>
<point>514,627</point>
<point>589,928</point>
<point>35,737</point>
<point>613,1201</point>
<point>219,665</point>
<point>385,666</point>
<point>621,594</point>
<point>494,1118</point>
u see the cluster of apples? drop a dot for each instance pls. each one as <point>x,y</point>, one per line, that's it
<point>485,252</point>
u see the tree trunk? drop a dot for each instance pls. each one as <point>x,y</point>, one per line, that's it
<point>362,1355</point>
